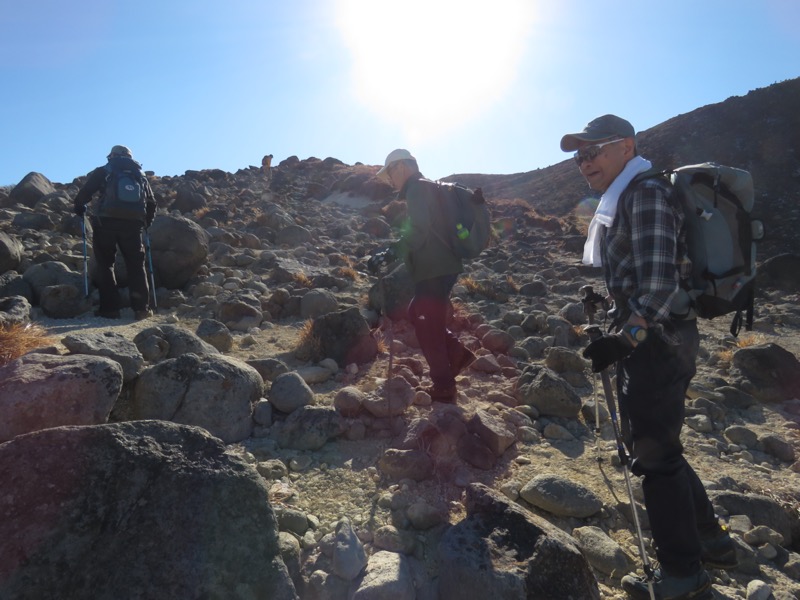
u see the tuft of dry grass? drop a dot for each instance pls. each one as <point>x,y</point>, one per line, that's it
<point>347,272</point>
<point>309,344</point>
<point>488,291</point>
<point>19,339</point>
<point>751,339</point>
<point>303,280</point>
<point>381,338</point>
<point>512,284</point>
<point>473,287</point>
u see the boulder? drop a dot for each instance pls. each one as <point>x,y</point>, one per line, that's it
<point>179,248</point>
<point>170,341</point>
<point>546,391</point>
<point>63,301</point>
<point>214,392</point>
<point>31,189</point>
<point>135,510</point>
<point>10,252</point>
<point>111,345</point>
<point>51,272</point>
<point>500,550</point>
<point>14,310</point>
<point>38,391</point>
<point>345,337</point>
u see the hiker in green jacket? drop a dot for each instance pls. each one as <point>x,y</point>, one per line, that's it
<point>434,269</point>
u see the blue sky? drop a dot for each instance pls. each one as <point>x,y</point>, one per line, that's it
<point>467,86</point>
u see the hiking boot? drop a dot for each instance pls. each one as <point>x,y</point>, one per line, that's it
<point>446,395</point>
<point>462,358</point>
<point>142,314</point>
<point>669,587</point>
<point>718,551</point>
<point>107,314</point>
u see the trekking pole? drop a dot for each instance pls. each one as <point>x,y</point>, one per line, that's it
<point>85,260</point>
<point>595,332</point>
<point>590,300</point>
<point>150,264</point>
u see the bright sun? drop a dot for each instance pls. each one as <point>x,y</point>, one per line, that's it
<point>431,65</point>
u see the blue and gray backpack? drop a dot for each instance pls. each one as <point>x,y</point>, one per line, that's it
<point>125,193</point>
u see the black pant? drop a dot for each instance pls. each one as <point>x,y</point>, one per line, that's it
<point>651,385</point>
<point>128,238</point>
<point>428,313</point>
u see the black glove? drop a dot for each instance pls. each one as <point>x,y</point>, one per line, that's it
<point>381,258</point>
<point>80,209</point>
<point>606,350</point>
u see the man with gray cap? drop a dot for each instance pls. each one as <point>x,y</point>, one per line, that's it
<point>434,268</point>
<point>125,205</point>
<point>637,237</point>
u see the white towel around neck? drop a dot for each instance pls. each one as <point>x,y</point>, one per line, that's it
<point>607,209</point>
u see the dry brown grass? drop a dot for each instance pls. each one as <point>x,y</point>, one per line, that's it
<point>348,273</point>
<point>473,287</point>
<point>303,280</point>
<point>381,338</point>
<point>19,339</point>
<point>513,285</point>
<point>750,339</point>
<point>309,344</point>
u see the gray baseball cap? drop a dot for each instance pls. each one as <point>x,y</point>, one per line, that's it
<point>601,128</point>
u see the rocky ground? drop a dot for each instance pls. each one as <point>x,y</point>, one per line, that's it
<point>738,437</point>
<point>342,479</point>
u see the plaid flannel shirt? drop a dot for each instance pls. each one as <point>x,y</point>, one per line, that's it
<point>644,252</point>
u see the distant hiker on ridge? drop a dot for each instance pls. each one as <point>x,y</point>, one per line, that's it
<point>266,165</point>
<point>434,269</point>
<point>638,238</point>
<point>125,205</point>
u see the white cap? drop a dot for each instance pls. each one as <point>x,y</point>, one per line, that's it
<point>394,156</point>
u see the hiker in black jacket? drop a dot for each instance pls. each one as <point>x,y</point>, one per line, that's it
<point>119,228</point>
<point>637,237</point>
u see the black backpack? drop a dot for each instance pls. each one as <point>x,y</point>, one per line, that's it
<point>717,202</point>
<point>125,194</point>
<point>464,222</point>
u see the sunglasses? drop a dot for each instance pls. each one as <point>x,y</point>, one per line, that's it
<point>592,152</point>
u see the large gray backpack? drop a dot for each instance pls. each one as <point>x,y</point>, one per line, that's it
<point>717,202</point>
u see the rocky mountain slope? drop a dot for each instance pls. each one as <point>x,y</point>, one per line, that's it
<point>377,491</point>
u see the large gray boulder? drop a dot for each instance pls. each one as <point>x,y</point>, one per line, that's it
<point>772,372</point>
<point>179,248</point>
<point>500,550</point>
<point>547,391</point>
<point>345,337</point>
<point>14,310</point>
<point>33,187</point>
<point>38,391</point>
<point>135,510</point>
<point>110,344</point>
<point>10,252</point>
<point>170,341</point>
<point>14,284</point>
<point>214,392</point>
<point>63,301</point>
<point>52,272</point>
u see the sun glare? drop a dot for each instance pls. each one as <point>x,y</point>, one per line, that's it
<point>431,65</point>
